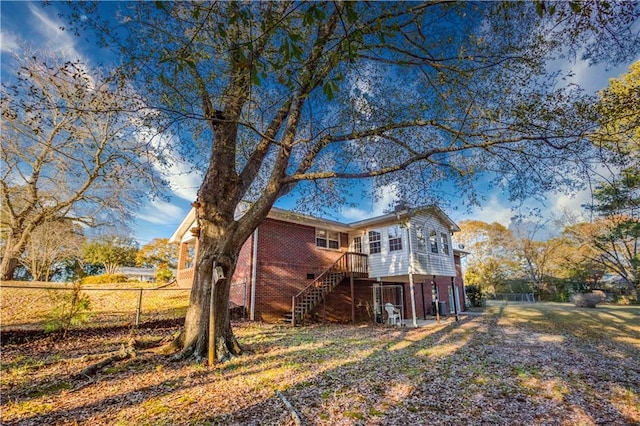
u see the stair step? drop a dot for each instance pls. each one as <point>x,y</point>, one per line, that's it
<point>315,293</point>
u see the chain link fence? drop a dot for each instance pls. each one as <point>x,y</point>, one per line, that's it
<point>32,306</point>
<point>513,298</point>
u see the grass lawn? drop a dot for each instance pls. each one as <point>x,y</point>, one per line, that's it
<point>516,364</point>
<point>31,306</point>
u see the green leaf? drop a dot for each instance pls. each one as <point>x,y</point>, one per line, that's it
<point>296,51</point>
<point>328,91</point>
<point>221,30</point>
<point>160,5</point>
<point>539,8</point>
<point>254,77</point>
<point>352,16</point>
<point>575,6</point>
<point>295,36</point>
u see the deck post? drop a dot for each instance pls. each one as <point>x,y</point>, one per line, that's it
<point>353,301</point>
<point>293,311</point>
<point>455,301</point>
<point>412,292</point>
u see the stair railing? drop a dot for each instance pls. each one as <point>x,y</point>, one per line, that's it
<point>349,262</point>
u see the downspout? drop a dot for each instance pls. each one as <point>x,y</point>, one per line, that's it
<point>254,272</point>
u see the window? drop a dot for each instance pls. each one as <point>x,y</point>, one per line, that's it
<point>420,238</point>
<point>445,242</point>
<point>357,244</point>
<point>433,242</point>
<point>395,238</point>
<point>327,239</point>
<point>374,242</point>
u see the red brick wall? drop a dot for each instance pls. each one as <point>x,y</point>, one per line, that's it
<point>287,252</point>
<point>443,284</point>
<point>240,293</point>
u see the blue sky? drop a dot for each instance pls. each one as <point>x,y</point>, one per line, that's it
<point>39,26</point>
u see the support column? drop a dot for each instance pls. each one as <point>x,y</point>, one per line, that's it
<point>413,300</point>
<point>353,300</point>
<point>455,299</point>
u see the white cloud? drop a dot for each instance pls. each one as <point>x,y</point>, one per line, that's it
<point>161,213</point>
<point>386,196</point>
<point>494,210</point>
<point>49,30</point>
<point>571,203</point>
<point>183,179</point>
<point>8,42</point>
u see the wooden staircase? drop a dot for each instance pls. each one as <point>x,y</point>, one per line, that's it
<point>348,265</point>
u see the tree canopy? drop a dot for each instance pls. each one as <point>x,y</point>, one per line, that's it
<point>616,200</point>
<point>158,252</point>
<point>272,98</point>
<point>112,252</point>
<point>431,91</point>
<point>71,150</point>
<point>51,247</point>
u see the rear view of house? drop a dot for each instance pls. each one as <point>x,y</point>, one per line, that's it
<point>392,268</point>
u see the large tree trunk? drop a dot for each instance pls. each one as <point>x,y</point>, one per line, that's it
<point>9,259</point>
<point>7,267</point>
<point>219,244</point>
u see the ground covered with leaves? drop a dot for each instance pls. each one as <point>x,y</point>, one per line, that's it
<point>529,364</point>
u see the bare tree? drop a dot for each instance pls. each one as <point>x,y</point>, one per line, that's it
<point>50,244</point>
<point>71,150</point>
<point>295,97</point>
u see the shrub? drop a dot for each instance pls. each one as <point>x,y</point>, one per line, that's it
<point>475,295</point>
<point>69,308</point>
<point>589,300</point>
<point>164,275</point>
<point>105,279</point>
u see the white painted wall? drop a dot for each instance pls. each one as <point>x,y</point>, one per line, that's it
<point>396,263</point>
<point>426,262</point>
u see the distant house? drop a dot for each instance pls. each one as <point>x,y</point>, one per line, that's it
<point>297,267</point>
<point>138,274</point>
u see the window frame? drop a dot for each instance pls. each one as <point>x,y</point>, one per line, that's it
<point>357,244</point>
<point>421,241</point>
<point>433,241</point>
<point>444,238</point>
<point>377,242</point>
<point>394,238</point>
<point>331,239</point>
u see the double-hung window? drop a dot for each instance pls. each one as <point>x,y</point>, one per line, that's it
<point>420,238</point>
<point>445,242</point>
<point>327,239</point>
<point>395,238</point>
<point>433,241</point>
<point>374,242</point>
<point>357,244</point>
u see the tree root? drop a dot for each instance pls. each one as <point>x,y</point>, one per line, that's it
<point>294,414</point>
<point>119,355</point>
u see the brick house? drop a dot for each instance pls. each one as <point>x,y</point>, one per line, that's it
<point>298,267</point>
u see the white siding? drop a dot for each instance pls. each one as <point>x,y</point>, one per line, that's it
<point>396,263</point>
<point>386,263</point>
<point>426,262</point>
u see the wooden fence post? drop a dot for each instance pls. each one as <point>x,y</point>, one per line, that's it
<point>138,311</point>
